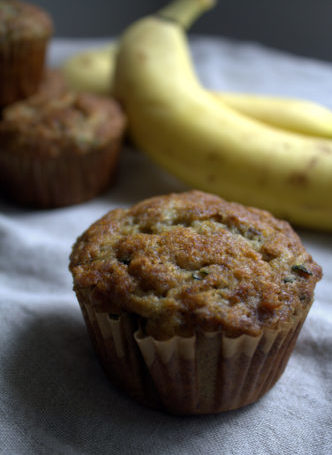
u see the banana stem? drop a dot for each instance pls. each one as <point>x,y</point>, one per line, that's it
<point>185,12</point>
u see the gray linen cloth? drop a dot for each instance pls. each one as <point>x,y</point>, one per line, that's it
<point>54,396</point>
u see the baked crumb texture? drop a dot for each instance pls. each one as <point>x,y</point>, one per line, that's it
<point>24,34</point>
<point>59,150</point>
<point>192,262</point>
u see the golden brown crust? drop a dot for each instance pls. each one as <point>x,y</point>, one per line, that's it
<point>21,20</point>
<point>67,124</point>
<point>192,261</point>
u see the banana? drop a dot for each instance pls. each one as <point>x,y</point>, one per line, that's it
<point>290,114</point>
<point>93,71</point>
<point>207,144</point>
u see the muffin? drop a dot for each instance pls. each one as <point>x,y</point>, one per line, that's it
<point>52,85</point>
<point>24,34</point>
<point>58,151</point>
<point>193,303</point>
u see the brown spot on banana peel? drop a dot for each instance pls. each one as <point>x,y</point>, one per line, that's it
<point>262,181</point>
<point>324,148</point>
<point>301,178</point>
<point>313,162</point>
<point>142,57</point>
<point>213,158</point>
<point>298,179</point>
<point>211,178</point>
<point>87,60</point>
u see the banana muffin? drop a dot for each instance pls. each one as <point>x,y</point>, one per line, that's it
<point>58,151</point>
<point>24,34</point>
<point>52,85</point>
<point>193,303</point>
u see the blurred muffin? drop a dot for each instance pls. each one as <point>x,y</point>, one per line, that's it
<point>193,303</point>
<point>52,85</point>
<point>24,34</point>
<point>59,151</point>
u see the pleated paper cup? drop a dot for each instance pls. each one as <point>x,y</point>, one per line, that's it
<point>37,179</point>
<point>206,373</point>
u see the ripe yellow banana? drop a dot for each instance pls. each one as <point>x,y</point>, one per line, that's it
<point>93,71</point>
<point>185,129</point>
<point>289,114</point>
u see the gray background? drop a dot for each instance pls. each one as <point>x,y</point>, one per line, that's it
<point>303,27</point>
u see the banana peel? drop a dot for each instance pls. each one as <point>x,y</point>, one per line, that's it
<point>207,144</point>
<point>93,71</point>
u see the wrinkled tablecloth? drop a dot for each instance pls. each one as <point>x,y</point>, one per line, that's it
<point>54,396</point>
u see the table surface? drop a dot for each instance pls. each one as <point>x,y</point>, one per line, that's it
<point>54,396</point>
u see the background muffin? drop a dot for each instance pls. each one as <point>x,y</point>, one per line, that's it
<point>194,304</point>
<point>24,33</point>
<point>52,85</point>
<point>59,151</point>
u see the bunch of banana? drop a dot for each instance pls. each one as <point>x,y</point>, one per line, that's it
<point>93,71</point>
<point>204,142</point>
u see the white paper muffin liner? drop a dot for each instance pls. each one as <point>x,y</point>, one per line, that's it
<point>202,374</point>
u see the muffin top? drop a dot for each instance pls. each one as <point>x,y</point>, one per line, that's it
<point>191,261</point>
<point>72,123</point>
<point>20,20</point>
